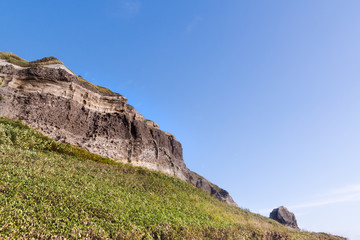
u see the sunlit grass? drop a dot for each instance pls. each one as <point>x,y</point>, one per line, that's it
<point>51,190</point>
<point>99,88</point>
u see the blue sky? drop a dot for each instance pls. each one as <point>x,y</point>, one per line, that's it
<point>263,95</point>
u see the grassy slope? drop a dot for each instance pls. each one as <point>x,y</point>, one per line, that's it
<point>54,190</point>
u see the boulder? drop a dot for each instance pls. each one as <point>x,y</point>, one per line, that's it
<point>284,216</point>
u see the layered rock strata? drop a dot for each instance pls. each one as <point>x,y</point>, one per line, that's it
<point>68,109</point>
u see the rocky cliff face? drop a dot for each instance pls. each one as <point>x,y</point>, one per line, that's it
<point>67,108</point>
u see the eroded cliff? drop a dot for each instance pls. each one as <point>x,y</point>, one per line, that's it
<point>67,108</point>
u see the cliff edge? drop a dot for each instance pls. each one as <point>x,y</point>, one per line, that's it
<point>48,96</point>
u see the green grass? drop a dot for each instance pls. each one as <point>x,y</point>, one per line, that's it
<point>99,88</point>
<point>50,190</point>
<point>129,107</point>
<point>14,59</point>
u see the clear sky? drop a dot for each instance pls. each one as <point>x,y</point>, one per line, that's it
<point>263,95</point>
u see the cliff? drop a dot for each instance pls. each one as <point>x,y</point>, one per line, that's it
<point>48,96</point>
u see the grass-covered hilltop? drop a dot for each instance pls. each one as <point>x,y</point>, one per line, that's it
<point>52,190</point>
<point>14,59</point>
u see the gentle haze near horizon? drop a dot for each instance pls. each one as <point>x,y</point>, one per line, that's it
<point>263,95</point>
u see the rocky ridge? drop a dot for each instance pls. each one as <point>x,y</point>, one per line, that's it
<point>69,109</point>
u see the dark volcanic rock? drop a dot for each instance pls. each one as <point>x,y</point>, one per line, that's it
<point>284,216</point>
<point>202,183</point>
<point>48,74</point>
<point>56,103</point>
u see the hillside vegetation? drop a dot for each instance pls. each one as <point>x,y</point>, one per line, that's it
<point>51,190</point>
<point>14,59</point>
<point>99,88</point>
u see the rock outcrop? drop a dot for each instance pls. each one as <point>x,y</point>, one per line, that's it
<point>69,109</point>
<point>284,216</point>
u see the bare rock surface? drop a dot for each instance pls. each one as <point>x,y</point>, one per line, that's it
<point>58,104</point>
<point>284,216</point>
